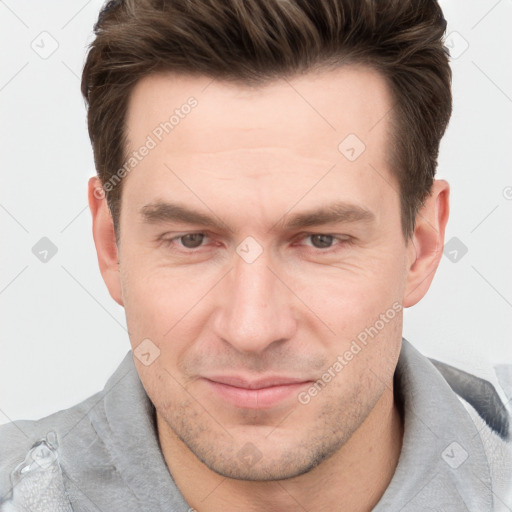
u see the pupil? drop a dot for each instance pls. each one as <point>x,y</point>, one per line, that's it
<point>321,241</point>
<point>192,240</point>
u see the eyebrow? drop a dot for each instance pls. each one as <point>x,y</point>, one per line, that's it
<point>338,212</point>
<point>161,212</point>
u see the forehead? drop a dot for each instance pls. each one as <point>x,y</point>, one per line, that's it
<point>311,113</point>
<point>259,149</point>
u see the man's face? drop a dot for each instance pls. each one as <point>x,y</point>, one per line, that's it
<point>302,259</point>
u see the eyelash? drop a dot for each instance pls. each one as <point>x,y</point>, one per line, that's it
<point>342,241</point>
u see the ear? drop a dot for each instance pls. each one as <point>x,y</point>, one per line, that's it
<point>105,239</point>
<point>425,248</point>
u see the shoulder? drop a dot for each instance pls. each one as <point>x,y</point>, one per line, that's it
<point>491,418</point>
<point>482,395</point>
<point>69,431</point>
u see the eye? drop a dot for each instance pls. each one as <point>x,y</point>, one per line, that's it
<point>187,241</point>
<point>325,242</point>
<point>192,240</point>
<point>321,241</point>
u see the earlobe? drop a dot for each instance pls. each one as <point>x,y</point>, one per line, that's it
<point>426,244</point>
<point>105,239</point>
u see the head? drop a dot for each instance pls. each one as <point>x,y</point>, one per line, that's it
<point>265,208</point>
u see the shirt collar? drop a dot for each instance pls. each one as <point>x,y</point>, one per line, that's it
<point>127,424</point>
<point>442,464</point>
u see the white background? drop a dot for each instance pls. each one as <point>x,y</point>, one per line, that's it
<point>61,333</point>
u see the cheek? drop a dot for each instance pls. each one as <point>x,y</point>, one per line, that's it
<point>154,300</point>
<point>350,297</point>
<point>363,354</point>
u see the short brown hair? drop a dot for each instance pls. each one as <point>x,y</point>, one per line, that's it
<point>256,41</point>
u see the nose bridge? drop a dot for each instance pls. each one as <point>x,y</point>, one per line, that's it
<point>256,311</point>
<point>253,287</point>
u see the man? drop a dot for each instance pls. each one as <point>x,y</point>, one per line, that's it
<point>265,208</point>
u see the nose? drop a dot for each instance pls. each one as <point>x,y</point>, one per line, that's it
<point>257,308</point>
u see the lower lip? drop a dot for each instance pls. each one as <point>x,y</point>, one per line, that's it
<point>263,398</point>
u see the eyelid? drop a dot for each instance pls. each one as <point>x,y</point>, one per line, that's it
<point>340,237</point>
<point>178,234</point>
<point>340,241</point>
<point>167,239</point>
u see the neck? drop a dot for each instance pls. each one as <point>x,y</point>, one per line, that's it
<point>354,478</point>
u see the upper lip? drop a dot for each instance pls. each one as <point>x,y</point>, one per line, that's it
<point>260,383</point>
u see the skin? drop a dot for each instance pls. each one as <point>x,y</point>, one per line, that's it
<point>252,159</point>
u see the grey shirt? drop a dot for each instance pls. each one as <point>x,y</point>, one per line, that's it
<point>103,453</point>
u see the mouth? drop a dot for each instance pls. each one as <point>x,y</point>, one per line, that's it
<point>255,394</point>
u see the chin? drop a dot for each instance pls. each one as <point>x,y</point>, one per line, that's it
<point>274,462</point>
